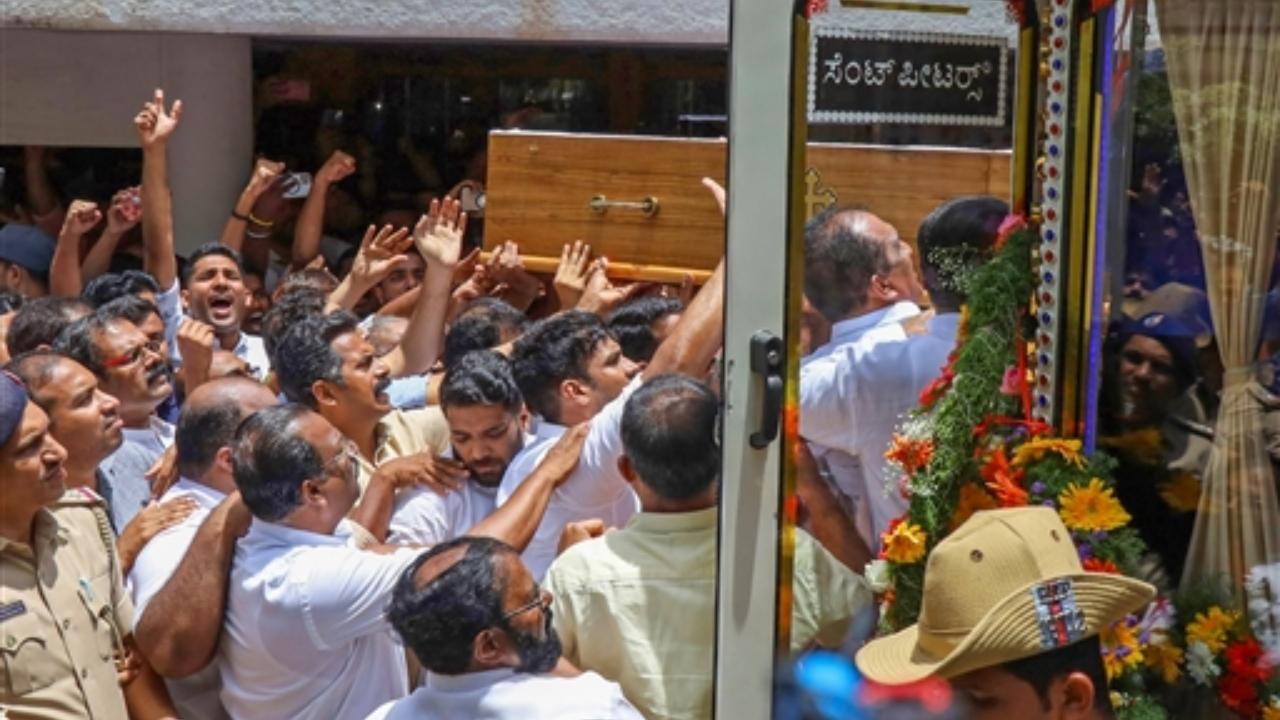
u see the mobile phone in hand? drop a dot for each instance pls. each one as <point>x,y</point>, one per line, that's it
<point>297,185</point>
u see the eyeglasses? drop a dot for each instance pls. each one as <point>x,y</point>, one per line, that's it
<point>352,456</point>
<point>543,601</point>
<point>134,355</point>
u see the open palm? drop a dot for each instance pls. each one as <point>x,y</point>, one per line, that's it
<point>381,253</point>
<point>438,234</point>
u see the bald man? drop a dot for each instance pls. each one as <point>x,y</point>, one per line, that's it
<point>208,423</point>
<point>861,278</point>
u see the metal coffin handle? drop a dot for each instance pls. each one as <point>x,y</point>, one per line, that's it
<point>600,204</point>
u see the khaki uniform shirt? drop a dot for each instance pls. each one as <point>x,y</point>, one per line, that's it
<point>638,605</point>
<point>62,608</point>
<point>406,432</point>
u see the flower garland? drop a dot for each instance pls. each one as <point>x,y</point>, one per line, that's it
<point>971,445</point>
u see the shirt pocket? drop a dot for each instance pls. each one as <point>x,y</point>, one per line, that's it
<point>100,613</point>
<point>30,652</point>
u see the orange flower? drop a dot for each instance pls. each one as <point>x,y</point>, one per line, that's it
<point>1004,481</point>
<point>913,455</point>
<point>903,542</point>
<point>972,499</point>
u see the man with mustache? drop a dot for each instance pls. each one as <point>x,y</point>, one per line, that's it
<point>305,633</point>
<point>473,615</point>
<point>213,289</point>
<point>326,363</point>
<point>83,417</point>
<point>487,423</point>
<point>132,368</point>
<point>64,609</point>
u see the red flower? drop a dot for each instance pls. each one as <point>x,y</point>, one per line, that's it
<point>912,454</point>
<point>815,7</point>
<point>1245,659</point>
<point>934,391</point>
<point>1094,564</point>
<point>1004,481</point>
<point>1239,695</point>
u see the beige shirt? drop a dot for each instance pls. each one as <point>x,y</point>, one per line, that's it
<point>406,432</point>
<point>637,606</point>
<point>62,608</point>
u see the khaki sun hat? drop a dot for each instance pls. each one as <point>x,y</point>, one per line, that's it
<point>1006,585</point>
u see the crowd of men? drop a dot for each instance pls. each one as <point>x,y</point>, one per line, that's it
<point>425,489</point>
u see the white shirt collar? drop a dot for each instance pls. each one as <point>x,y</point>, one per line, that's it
<point>467,682</point>
<point>275,533</point>
<point>205,495</point>
<point>849,330</point>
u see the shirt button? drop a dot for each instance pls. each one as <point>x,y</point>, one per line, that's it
<point>66,624</point>
<point>84,672</point>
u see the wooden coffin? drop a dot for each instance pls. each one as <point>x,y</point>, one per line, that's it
<point>541,187</point>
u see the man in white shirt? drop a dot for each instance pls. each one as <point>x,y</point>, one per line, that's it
<point>132,368</point>
<point>305,635</point>
<point>487,422</point>
<point>854,394</point>
<point>204,436</point>
<point>570,370</point>
<point>481,626</point>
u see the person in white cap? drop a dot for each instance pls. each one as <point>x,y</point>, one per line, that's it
<point>1011,618</point>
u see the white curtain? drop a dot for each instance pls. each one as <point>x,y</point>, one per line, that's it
<point>1223,58</point>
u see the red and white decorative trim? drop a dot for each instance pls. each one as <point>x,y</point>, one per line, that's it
<point>1053,189</point>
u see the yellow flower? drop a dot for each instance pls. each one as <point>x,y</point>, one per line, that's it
<point>1036,448</point>
<point>1166,660</point>
<point>1212,627</point>
<point>1143,446</point>
<point>903,543</point>
<point>1091,507</point>
<point>972,499</point>
<point>1121,649</point>
<point>1182,492</point>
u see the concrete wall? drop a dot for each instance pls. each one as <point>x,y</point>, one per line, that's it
<point>697,22</point>
<point>83,89</point>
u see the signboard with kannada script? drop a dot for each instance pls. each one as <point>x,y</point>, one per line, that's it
<point>864,77</point>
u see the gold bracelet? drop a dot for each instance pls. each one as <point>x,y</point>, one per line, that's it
<point>259,221</point>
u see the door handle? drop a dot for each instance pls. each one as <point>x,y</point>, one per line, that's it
<point>767,361</point>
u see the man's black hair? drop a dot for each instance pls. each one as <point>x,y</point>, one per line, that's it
<point>440,620</point>
<point>105,288</point>
<point>963,229</point>
<point>204,251</point>
<point>305,354</point>
<point>286,312</point>
<point>76,341</point>
<point>632,324</point>
<point>553,350</point>
<point>481,325</point>
<point>131,308</point>
<point>202,431</point>
<point>39,322</point>
<point>9,302</point>
<point>35,369</point>
<point>1039,671</point>
<point>669,433</point>
<point>270,461</point>
<point>839,262</point>
<point>482,377</point>
<point>309,278</point>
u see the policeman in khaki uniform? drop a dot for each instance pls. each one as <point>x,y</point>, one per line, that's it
<point>63,605</point>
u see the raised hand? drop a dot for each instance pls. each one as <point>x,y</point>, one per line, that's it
<point>571,274</point>
<point>602,296</point>
<point>195,344</point>
<point>338,167</point>
<point>381,252</point>
<point>125,210</point>
<point>517,285</point>
<point>156,123</point>
<point>579,531</point>
<point>82,216</point>
<point>438,234</point>
<point>264,174</point>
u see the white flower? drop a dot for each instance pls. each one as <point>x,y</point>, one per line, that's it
<point>1200,664</point>
<point>877,576</point>
<point>1262,591</point>
<point>1159,617</point>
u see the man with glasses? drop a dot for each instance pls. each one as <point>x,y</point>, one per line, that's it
<point>473,615</point>
<point>305,634</point>
<point>133,369</point>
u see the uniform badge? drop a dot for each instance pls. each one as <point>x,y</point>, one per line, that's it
<point>1061,621</point>
<point>12,610</point>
